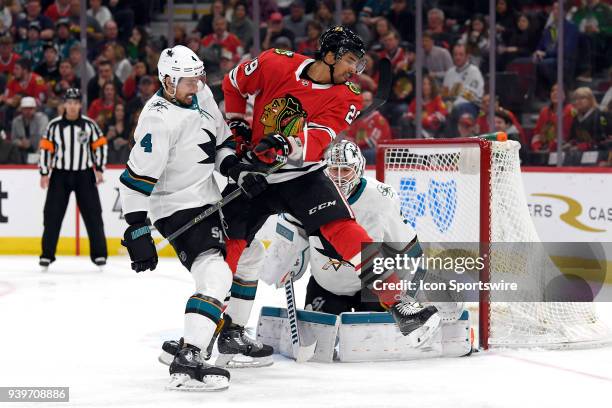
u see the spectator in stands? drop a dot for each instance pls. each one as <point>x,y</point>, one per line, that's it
<point>94,30</point>
<point>476,39</point>
<point>101,109</point>
<point>7,60</point>
<point>180,34</point>
<point>378,7</point>
<point>435,24</point>
<point>310,44</point>
<point>520,42</point>
<point>59,9</point>
<point>545,132</point>
<point>205,23</point>
<point>111,35</point>
<point>136,45</point>
<point>482,121</point>
<point>68,79</point>
<point>392,50</point>
<point>32,47</point>
<point>463,86</point>
<point>434,110</point>
<point>402,19</point>
<point>466,126</point>
<point>9,153</point>
<point>545,56</point>
<point>606,101</point>
<point>115,54</point>
<point>28,127</point>
<point>48,69</point>
<point>274,31</point>
<point>503,123</point>
<point>296,20</point>
<point>505,19</point>
<point>348,18</point>
<point>75,57</point>
<point>369,130</point>
<point>139,70</point>
<point>33,9</point>
<point>6,16</point>
<point>382,27</point>
<point>65,40</point>
<point>242,25</point>
<point>437,59</point>
<point>105,74</point>
<point>24,83</point>
<point>592,128</point>
<point>118,134</point>
<point>100,12</point>
<point>594,20</point>
<point>147,87</point>
<point>223,39</point>
<point>324,15</point>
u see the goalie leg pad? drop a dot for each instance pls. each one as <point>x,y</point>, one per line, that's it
<point>373,336</point>
<point>273,329</point>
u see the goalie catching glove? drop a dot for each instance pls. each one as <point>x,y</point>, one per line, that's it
<point>274,149</point>
<point>141,248</point>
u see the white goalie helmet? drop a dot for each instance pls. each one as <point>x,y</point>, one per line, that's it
<point>345,165</point>
<point>179,62</point>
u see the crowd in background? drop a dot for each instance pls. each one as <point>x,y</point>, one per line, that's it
<point>40,57</point>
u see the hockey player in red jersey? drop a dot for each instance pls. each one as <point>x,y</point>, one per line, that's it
<point>301,104</point>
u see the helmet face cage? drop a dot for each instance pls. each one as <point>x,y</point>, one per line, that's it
<point>345,165</point>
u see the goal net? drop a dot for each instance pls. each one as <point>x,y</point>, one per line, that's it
<point>471,190</point>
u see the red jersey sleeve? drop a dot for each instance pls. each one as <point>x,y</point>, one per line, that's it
<point>322,129</point>
<point>247,78</point>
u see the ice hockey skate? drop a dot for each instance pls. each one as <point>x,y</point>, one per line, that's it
<point>416,322</point>
<point>237,350</point>
<point>189,373</point>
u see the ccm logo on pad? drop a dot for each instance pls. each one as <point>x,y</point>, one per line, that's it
<point>321,207</point>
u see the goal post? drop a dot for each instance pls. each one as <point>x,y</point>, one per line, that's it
<point>471,190</point>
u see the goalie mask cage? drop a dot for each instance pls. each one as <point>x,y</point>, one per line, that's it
<point>471,190</point>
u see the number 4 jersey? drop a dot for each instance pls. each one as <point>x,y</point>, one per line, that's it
<point>175,152</point>
<point>286,100</point>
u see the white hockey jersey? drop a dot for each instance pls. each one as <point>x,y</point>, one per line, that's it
<point>464,84</point>
<point>377,209</point>
<point>175,153</point>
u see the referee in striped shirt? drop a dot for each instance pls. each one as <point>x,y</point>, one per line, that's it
<point>73,150</point>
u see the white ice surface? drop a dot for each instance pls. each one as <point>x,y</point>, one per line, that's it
<point>100,334</point>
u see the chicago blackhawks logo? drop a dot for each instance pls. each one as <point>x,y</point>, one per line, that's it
<point>284,115</point>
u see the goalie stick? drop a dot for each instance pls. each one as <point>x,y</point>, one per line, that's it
<point>301,352</point>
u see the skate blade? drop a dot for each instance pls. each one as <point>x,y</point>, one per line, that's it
<point>421,336</point>
<point>242,361</point>
<point>210,383</point>
<point>165,358</point>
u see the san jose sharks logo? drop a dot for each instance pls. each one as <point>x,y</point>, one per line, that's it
<point>159,106</point>
<point>440,201</point>
<point>335,260</point>
<point>209,148</point>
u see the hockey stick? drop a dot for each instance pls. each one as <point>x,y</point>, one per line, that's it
<point>210,210</point>
<point>300,352</point>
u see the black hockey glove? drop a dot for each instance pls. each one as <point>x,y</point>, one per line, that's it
<point>273,149</point>
<point>137,239</point>
<point>242,134</point>
<point>249,178</point>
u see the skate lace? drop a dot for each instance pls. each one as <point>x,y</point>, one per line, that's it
<point>248,340</point>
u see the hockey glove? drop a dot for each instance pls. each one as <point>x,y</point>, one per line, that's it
<point>137,239</point>
<point>248,178</point>
<point>242,133</point>
<point>275,149</point>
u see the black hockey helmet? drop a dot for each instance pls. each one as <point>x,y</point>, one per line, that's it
<point>341,40</point>
<point>72,93</point>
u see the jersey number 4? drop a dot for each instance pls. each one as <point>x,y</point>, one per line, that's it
<point>146,143</point>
